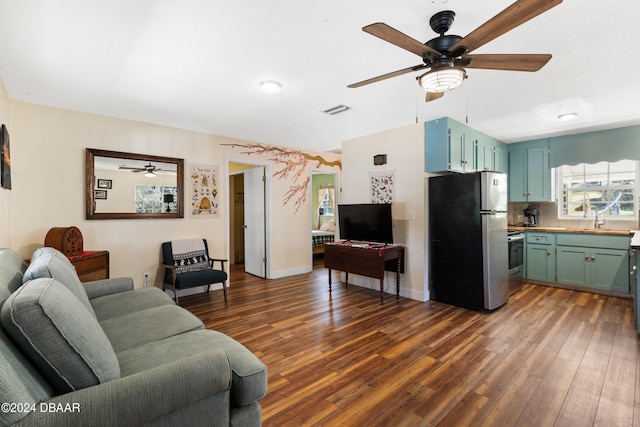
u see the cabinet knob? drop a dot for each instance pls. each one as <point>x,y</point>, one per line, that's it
<point>587,257</point>
<point>593,258</point>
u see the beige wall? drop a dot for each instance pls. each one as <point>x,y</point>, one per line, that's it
<point>48,178</point>
<point>5,195</point>
<point>405,154</point>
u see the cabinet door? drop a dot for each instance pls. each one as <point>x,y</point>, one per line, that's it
<point>501,160</point>
<point>538,186</point>
<point>456,149</point>
<point>518,176</point>
<point>610,269</point>
<point>469,154</point>
<point>573,268</point>
<point>541,262</point>
<point>484,155</point>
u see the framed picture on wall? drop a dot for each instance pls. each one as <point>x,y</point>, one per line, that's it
<point>100,194</point>
<point>5,159</point>
<point>104,183</point>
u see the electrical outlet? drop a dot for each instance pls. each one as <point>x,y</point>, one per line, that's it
<point>146,277</point>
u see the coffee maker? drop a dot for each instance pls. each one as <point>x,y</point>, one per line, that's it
<point>530,217</point>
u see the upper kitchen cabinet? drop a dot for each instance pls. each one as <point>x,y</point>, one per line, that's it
<point>529,172</point>
<point>453,146</point>
<point>447,147</point>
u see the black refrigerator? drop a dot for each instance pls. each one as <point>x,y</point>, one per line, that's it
<point>468,250</point>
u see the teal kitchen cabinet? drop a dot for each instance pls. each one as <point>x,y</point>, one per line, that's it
<point>453,146</point>
<point>529,172</point>
<point>491,155</point>
<point>501,159</point>
<point>540,256</point>
<point>593,261</point>
<point>447,147</point>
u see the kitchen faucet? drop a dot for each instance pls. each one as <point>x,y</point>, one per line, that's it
<point>598,222</point>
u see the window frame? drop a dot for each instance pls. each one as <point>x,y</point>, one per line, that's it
<point>557,173</point>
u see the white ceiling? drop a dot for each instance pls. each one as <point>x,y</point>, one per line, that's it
<point>196,64</point>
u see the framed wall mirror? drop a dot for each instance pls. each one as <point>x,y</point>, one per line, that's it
<point>133,186</point>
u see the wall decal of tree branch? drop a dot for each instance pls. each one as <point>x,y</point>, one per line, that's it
<point>293,166</point>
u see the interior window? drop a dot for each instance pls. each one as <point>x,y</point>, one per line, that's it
<point>608,188</point>
<point>325,206</point>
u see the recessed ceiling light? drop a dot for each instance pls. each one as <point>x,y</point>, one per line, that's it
<point>270,86</point>
<point>567,116</point>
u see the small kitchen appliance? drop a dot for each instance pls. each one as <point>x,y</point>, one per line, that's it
<point>530,217</point>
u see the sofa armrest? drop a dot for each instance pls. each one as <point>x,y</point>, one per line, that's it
<point>100,288</point>
<point>140,398</point>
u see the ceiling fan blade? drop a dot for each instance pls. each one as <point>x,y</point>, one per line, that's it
<point>517,14</point>
<point>432,96</point>
<point>130,168</point>
<point>399,39</point>
<point>388,75</point>
<point>510,62</point>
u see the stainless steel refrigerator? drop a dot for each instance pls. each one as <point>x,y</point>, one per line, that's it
<point>468,235</point>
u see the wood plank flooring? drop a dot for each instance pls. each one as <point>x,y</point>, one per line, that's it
<point>550,357</point>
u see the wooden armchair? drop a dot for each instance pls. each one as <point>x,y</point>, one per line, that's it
<point>187,264</point>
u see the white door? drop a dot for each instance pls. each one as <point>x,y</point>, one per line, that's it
<point>254,222</point>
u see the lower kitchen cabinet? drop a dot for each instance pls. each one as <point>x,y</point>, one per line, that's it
<point>606,269</point>
<point>541,257</point>
<point>585,260</point>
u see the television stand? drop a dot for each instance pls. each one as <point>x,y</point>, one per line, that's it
<point>365,259</point>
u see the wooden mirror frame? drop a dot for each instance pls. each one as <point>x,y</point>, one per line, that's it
<point>90,179</point>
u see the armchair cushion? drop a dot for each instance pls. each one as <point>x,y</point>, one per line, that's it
<point>199,278</point>
<point>189,255</point>
<point>59,335</point>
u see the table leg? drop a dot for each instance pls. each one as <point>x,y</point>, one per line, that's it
<point>398,280</point>
<point>329,279</point>
<point>382,289</point>
<point>346,279</point>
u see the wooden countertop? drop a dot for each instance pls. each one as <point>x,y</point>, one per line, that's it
<point>575,230</point>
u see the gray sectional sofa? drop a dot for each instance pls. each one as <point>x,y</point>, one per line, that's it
<point>104,354</point>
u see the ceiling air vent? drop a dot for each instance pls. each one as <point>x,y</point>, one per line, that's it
<point>337,109</point>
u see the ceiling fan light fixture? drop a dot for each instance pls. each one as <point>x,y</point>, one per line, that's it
<point>150,174</point>
<point>442,79</point>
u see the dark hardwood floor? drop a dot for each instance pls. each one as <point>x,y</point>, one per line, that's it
<point>549,357</point>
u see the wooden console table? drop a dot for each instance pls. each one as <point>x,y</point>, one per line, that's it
<point>366,259</point>
<point>91,265</point>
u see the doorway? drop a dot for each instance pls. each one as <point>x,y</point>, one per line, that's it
<point>248,217</point>
<point>325,196</point>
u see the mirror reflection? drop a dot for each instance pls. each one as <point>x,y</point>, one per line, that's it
<point>127,185</point>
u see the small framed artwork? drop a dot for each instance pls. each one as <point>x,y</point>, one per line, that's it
<point>5,159</point>
<point>100,194</point>
<point>104,183</point>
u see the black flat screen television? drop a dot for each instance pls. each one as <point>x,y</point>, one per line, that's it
<point>368,222</point>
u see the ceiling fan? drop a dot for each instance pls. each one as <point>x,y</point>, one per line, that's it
<point>447,56</point>
<point>149,170</point>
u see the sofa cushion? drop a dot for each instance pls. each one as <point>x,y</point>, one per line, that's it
<point>59,335</point>
<point>122,303</point>
<point>144,326</point>
<point>12,269</point>
<point>61,269</point>
<point>249,374</point>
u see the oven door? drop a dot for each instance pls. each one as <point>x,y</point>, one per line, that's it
<point>516,251</point>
